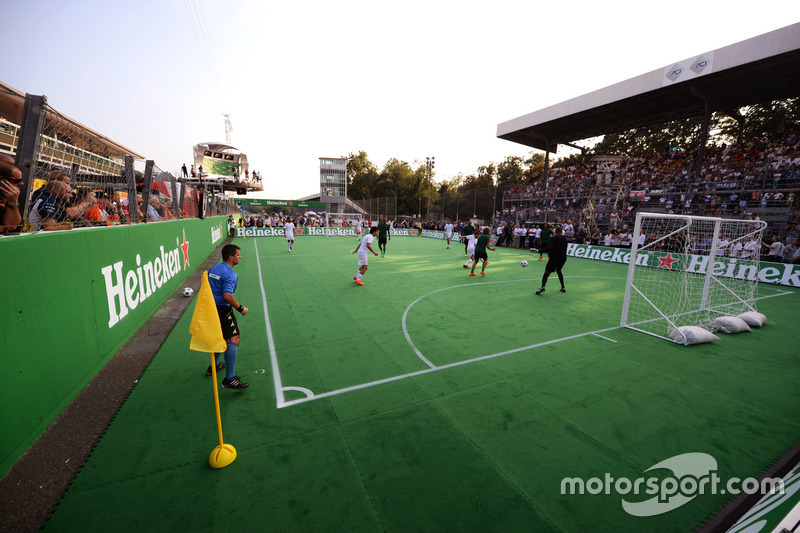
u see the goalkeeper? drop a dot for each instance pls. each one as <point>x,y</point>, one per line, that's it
<point>558,256</point>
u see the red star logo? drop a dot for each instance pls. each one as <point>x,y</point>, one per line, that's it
<point>185,248</point>
<point>666,261</point>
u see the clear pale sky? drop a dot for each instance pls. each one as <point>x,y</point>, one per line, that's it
<point>304,80</point>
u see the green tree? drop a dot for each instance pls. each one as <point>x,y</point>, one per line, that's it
<point>761,121</point>
<point>512,171</point>
<point>361,176</point>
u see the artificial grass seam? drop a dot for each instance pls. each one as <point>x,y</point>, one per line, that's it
<point>497,468</point>
<point>375,513</point>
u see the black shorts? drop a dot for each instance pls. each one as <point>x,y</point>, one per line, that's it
<point>544,247</point>
<point>381,241</point>
<point>554,265</point>
<point>230,328</point>
<point>481,255</point>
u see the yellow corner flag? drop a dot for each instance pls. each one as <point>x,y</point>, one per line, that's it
<point>207,337</point>
<point>205,327</point>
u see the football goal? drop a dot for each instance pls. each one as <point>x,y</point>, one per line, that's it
<point>688,271</point>
<point>343,220</point>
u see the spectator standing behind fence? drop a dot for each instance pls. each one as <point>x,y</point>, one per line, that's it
<point>789,251</point>
<point>98,214</point>
<point>10,180</point>
<point>48,211</point>
<point>184,172</point>
<point>775,254</point>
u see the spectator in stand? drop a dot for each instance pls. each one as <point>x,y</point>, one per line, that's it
<point>581,235</point>
<point>531,234</point>
<point>791,231</point>
<point>775,254</point>
<point>116,210</point>
<point>569,230</point>
<point>608,239</point>
<point>789,251</point>
<point>48,211</point>
<point>597,235</point>
<point>98,213</point>
<point>625,238</point>
<point>723,246</point>
<point>795,259</point>
<point>10,180</point>
<point>152,209</point>
<point>751,249</point>
<point>613,219</point>
<point>735,249</point>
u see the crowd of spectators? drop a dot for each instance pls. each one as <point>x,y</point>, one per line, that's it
<point>57,205</point>
<point>736,181</point>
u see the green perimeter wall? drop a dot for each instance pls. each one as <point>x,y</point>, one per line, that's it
<point>63,315</point>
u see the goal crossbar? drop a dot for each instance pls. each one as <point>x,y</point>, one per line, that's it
<point>690,273</point>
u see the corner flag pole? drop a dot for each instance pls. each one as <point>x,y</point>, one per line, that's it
<point>207,337</point>
<point>224,454</point>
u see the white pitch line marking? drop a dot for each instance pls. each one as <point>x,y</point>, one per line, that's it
<point>605,338</point>
<point>276,371</point>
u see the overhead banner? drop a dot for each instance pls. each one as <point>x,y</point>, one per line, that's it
<point>261,202</point>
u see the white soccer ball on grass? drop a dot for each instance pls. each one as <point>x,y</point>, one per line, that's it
<point>523,263</point>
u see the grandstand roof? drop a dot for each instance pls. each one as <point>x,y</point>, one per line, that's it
<point>760,69</point>
<point>218,147</point>
<point>12,102</point>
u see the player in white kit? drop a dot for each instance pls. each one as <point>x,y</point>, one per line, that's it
<point>288,231</point>
<point>448,232</point>
<point>363,247</point>
<point>471,240</point>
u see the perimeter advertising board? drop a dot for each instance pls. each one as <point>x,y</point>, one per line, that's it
<point>71,299</point>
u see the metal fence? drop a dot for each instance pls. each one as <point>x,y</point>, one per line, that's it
<point>75,177</point>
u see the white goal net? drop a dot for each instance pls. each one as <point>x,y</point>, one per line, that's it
<point>344,221</point>
<point>690,270</point>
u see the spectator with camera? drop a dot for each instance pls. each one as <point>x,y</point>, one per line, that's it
<point>10,180</point>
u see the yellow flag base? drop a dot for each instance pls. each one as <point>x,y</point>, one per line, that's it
<point>224,454</point>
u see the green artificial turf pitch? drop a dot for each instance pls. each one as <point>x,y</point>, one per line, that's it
<point>428,400</point>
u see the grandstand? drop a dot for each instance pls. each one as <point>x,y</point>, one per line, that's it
<point>761,69</point>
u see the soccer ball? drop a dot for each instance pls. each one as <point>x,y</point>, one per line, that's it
<point>776,281</point>
<point>523,263</point>
<point>187,291</point>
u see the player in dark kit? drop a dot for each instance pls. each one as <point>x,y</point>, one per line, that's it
<point>465,233</point>
<point>384,232</point>
<point>558,256</point>
<point>544,246</point>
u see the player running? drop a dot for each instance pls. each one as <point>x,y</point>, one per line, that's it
<point>448,232</point>
<point>361,250</point>
<point>558,256</point>
<point>465,233</point>
<point>472,238</point>
<point>481,244</point>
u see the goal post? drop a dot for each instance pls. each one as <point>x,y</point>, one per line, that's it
<point>344,221</point>
<point>688,271</point>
